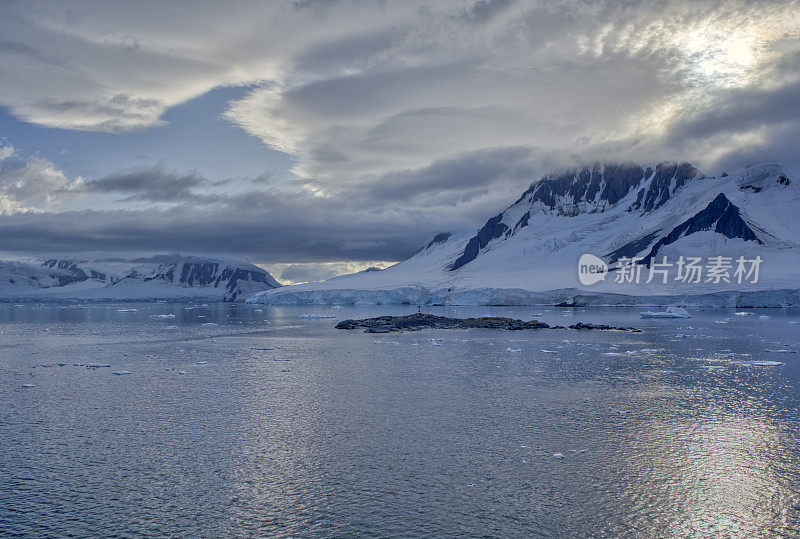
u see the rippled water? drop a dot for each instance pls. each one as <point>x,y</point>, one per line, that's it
<point>288,426</point>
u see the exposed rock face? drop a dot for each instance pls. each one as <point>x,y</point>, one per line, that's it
<point>720,215</point>
<point>590,189</point>
<point>416,322</point>
<point>71,272</point>
<point>201,273</point>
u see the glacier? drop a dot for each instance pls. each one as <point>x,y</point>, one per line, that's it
<point>528,254</point>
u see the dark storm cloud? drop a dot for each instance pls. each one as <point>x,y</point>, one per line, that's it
<point>478,169</point>
<point>149,184</point>
<point>300,233</point>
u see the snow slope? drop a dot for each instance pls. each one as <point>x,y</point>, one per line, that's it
<point>529,253</point>
<point>179,278</point>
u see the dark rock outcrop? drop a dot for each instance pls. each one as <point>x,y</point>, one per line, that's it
<point>416,322</point>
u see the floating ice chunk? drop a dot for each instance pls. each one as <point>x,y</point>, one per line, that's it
<point>617,410</point>
<point>97,365</point>
<point>795,322</point>
<point>265,349</point>
<point>758,363</point>
<point>208,324</point>
<point>764,317</point>
<point>573,451</point>
<point>582,450</point>
<point>181,372</point>
<point>281,359</point>
<point>414,344</point>
<point>558,455</point>
<point>61,364</point>
<point>549,351</point>
<point>434,343</point>
<point>315,315</point>
<point>712,367</point>
<point>121,373</point>
<point>200,362</point>
<point>669,312</point>
<point>127,310</point>
<point>509,349</point>
<point>28,385</point>
<point>743,313</point>
<point>163,316</point>
<point>595,485</point>
<point>781,351</point>
<point>172,327</point>
<point>613,354</point>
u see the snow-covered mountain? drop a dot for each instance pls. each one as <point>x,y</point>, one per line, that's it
<point>529,253</point>
<point>176,278</point>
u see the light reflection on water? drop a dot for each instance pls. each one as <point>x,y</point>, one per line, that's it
<point>333,433</point>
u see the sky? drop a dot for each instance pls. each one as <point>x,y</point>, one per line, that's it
<point>317,137</point>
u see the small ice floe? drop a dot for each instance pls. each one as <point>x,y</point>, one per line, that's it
<point>558,455</point>
<point>795,322</point>
<point>523,446</point>
<point>509,349</point>
<point>208,324</point>
<point>181,372</point>
<point>744,313</point>
<point>265,349</point>
<point>781,351</point>
<point>121,373</point>
<point>414,344</point>
<point>617,410</point>
<point>172,327</point>
<point>200,362</point>
<point>613,354</point>
<point>396,343</point>
<point>97,365</point>
<point>28,386</point>
<point>377,342</point>
<point>595,485</point>
<point>723,321</point>
<point>127,310</point>
<point>764,317</point>
<point>549,351</point>
<point>680,335</point>
<point>669,312</point>
<point>759,363</point>
<point>281,359</point>
<point>163,316</point>
<point>61,364</point>
<point>434,343</point>
<point>315,315</point>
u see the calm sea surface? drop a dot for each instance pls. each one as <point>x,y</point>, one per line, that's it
<point>242,420</point>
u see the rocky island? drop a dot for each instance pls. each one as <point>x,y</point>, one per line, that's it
<point>416,322</point>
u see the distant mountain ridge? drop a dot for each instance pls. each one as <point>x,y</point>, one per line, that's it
<point>181,277</point>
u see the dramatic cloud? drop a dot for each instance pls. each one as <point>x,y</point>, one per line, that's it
<point>395,120</point>
<point>31,184</point>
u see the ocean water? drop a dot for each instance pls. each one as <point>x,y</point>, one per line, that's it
<point>245,420</point>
